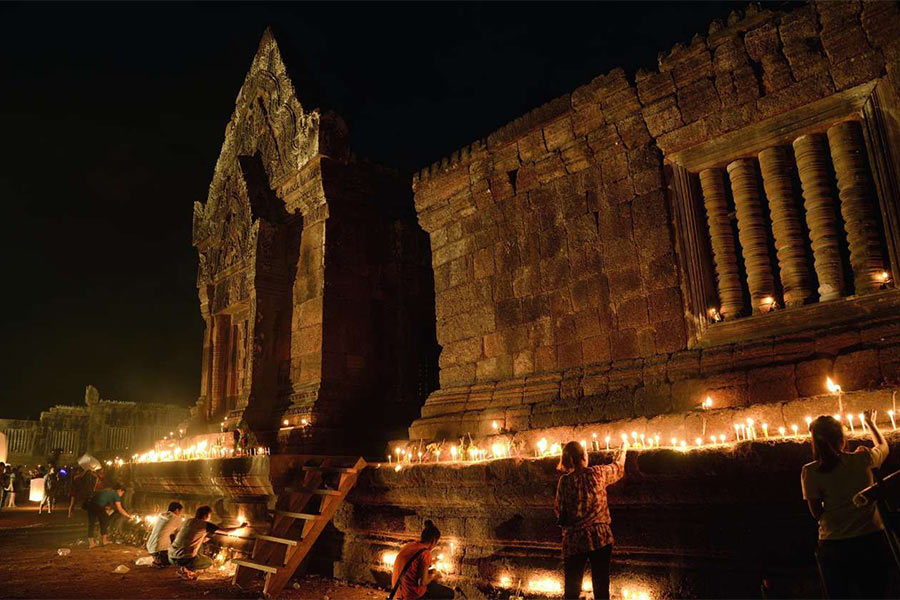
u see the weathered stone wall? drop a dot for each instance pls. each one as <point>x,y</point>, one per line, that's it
<point>561,282</point>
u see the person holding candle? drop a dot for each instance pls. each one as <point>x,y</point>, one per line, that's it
<point>853,555</point>
<point>583,513</point>
<point>184,552</point>
<point>413,569</point>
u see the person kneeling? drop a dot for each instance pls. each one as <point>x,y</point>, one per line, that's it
<point>167,523</point>
<point>184,552</point>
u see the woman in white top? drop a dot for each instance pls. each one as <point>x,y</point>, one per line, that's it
<point>853,555</point>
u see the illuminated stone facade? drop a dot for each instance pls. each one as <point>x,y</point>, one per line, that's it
<point>313,279</point>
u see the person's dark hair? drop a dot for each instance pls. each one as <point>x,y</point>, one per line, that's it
<point>430,534</point>
<point>203,512</point>
<point>573,454</point>
<point>827,442</point>
<point>173,506</point>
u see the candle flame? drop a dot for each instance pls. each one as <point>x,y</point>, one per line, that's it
<point>833,388</point>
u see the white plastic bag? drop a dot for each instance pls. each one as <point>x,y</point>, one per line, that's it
<point>121,569</point>
<point>144,561</point>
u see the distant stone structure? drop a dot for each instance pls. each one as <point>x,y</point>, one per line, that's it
<point>105,429</point>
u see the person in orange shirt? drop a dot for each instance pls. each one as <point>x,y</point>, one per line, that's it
<point>412,567</point>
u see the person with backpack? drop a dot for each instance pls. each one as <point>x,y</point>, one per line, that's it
<point>583,513</point>
<point>853,554</point>
<point>412,567</point>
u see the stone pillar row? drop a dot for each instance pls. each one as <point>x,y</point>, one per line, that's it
<point>843,147</point>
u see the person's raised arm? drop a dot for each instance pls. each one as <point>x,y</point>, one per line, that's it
<point>230,529</point>
<point>881,449</point>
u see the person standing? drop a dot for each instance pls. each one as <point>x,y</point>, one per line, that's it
<point>4,482</point>
<point>51,482</point>
<point>10,489</point>
<point>853,555</point>
<point>412,567</point>
<point>96,512</point>
<point>167,523</point>
<point>185,549</point>
<point>81,489</point>
<point>583,513</point>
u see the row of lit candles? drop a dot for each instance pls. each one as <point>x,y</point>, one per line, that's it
<point>199,452</point>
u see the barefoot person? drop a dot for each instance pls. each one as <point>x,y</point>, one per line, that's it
<point>583,513</point>
<point>96,512</point>
<point>185,550</point>
<point>167,523</point>
<point>412,567</point>
<point>853,555</point>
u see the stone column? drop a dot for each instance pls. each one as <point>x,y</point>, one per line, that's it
<point>787,225</point>
<point>752,231</point>
<point>811,154</point>
<point>712,183</point>
<point>857,204</point>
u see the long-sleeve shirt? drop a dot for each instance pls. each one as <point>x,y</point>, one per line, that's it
<point>581,501</point>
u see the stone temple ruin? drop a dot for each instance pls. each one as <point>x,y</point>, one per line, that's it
<point>724,227</point>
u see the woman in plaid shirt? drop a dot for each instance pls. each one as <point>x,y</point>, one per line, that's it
<point>583,513</point>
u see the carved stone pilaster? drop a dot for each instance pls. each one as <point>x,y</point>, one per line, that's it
<point>712,183</point>
<point>811,154</point>
<point>787,225</point>
<point>857,204</point>
<point>752,232</point>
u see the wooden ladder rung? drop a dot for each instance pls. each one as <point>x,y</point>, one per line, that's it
<point>277,540</point>
<point>250,564</point>
<point>318,492</point>
<point>296,515</point>
<point>329,469</point>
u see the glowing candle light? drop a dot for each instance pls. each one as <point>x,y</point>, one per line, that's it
<point>707,404</point>
<point>809,424</point>
<point>712,439</point>
<point>583,444</point>
<point>285,422</point>
<point>737,432</point>
<point>304,422</point>
<point>656,440</point>
<point>699,442</point>
<point>781,430</point>
<point>794,429</point>
<point>497,450</point>
<point>751,430</point>
<point>642,439</point>
<point>624,441</point>
<point>850,420</point>
<point>634,437</point>
<point>674,442</point>
<point>494,425</point>
<point>834,388</point>
<point>862,422</point>
<point>542,446</point>
<point>765,427</point>
<point>893,423</point>
<point>744,431</point>
<point>453,452</point>
<point>606,439</point>
<point>721,438</point>
<point>595,445</point>
<point>505,581</point>
<point>683,444</point>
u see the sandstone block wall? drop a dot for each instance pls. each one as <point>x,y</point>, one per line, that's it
<point>561,275</point>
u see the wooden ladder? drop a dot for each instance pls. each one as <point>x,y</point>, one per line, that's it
<point>300,517</point>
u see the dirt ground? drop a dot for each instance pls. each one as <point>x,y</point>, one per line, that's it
<point>30,567</point>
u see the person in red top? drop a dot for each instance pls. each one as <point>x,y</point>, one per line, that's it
<point>583,513</point>
<point>414,580</point>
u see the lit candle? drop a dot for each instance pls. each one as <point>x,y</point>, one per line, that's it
<point>674,442</point>
<point>893,423</point>
<point>699,442</point>
<point>453,452</point>
<point>744,431</point>
<point>285,422</point>
<point>583,444</point>
<point>809,424</point>
<point>794,429</point>
<point>737,432</point>
<point>781,430</point>
<point>642,439</point>
<point>834,388</point>
<point>850,420</point>
<point>707,404</point>
<point>595,445</point>
<point>751,431</point>
<point>862,422</point>
<point>712,439</point>
<point>721,438</point>
<point>656,440</point>
<point>542,446</point>
<point>607,443</point>
<point>766,430</point>
<point>683,444</point>
<point>389,459</point>
<point>624,440</point>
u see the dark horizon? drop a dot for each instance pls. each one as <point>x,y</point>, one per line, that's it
<point>115,114</point>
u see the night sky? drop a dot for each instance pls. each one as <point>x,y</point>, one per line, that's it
<point>112,116</point>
